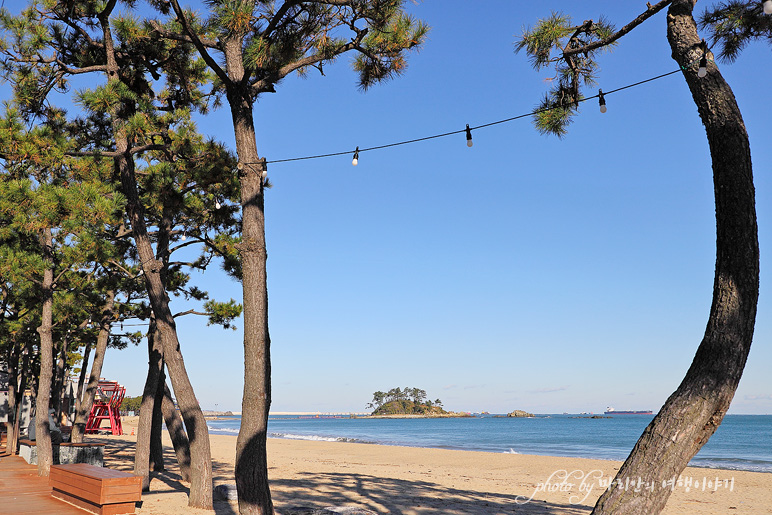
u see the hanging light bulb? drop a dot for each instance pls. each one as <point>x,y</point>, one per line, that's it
<point>703,70</point>
<point>469,141</point>
<point>184,235</point>
<point>602,101</point>
<point>768,7</point>
<point>217,204</point>
<point>355,161</point>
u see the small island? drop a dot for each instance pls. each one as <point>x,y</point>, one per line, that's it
<point>520,414</point>
<point>408,403</point>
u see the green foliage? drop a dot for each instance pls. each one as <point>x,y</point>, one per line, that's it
<point>407,401</point>
<point>131,404</point>
<point>383,57</point>
<point>223,313</point>
<point>554,42</point>
<point>279,38</point>
<point>735,23</point>
<point>49,180</point>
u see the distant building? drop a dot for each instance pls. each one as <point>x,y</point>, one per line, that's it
<point>68,404</point>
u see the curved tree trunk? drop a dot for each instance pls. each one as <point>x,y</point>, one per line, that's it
<point>201,461</point>
<point>693,412</point>
<point>201,457</point>
<point>42,434</point>
<point>83,410</point>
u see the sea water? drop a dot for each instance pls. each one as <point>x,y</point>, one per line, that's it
<point>742,442</point>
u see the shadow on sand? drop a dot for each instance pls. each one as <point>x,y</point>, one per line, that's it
<point>398,496</point>
<point>383,495</point>
<point>119,455</point>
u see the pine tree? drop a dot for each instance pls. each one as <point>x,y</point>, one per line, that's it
<point>50,42</point>
<point>37,201</point>
<point>187,202</point>
<point>260,43</point>
<point>694,411</point>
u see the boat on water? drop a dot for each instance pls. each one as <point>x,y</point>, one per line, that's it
<point>612,411</point>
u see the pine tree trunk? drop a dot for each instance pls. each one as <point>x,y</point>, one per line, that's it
<point>84,409</point>
<point>145,424</point>
<point>83,372</point>
<point>81,386</point>
<point>201,458</point>
<point>59,378</point>
<point>694,411</point>
<point>156,446</point>
<point>176,433</point>
<point>251,458</point>
<point>201,464</point>
<point>13,381</point>
<point>24,374</point>
<point>42,434</point>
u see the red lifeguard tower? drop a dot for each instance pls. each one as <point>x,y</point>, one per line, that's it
<point>106,407</point>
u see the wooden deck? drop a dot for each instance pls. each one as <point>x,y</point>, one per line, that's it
<point>22,491</point>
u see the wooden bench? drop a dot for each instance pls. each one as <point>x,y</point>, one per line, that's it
<point>96,489</point>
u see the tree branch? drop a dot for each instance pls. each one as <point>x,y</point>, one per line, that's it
<point>190,312</point>
<point>286,6</point>
<point>208,43</point>
<point>311,60</point>
<point>113,154</point>
<point>198,43</point>
<point>77,71</point>
<point>650,11</point>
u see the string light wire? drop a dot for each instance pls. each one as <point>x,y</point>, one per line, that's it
<point>463,131</point>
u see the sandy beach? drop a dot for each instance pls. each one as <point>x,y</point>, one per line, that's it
<point>415,481</point>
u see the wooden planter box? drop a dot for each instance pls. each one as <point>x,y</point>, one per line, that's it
<point>96,489</point>
<point>65,452</point>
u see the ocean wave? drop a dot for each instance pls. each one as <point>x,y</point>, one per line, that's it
<point>511,451</point>
<point>749,465</point>
<point>316,438</point>
<point>223,430</point>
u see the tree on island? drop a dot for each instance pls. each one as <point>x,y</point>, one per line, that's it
<point>410,401</point>
<point>694,411</point>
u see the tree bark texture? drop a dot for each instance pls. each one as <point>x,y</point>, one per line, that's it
<point>84,409</point>
<point>156,447</point>
<point>24,375</point>
<point>13,387</point>
<point>251,459</point>
<point>693,412</point>
<point>201,460</point>
<point>177,433</point>
<point>59,378</point>
<point>82,376</point>
<point>145,424</point>
<point>201,464</point>
<point>42,434</point>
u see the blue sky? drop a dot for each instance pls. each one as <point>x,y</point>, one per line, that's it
<point>527,272</point>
